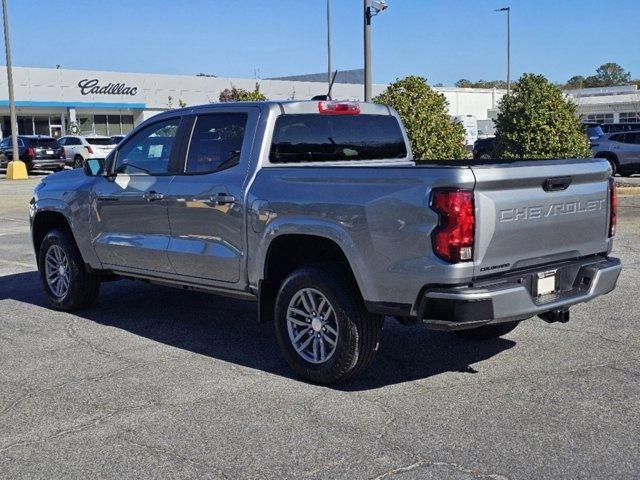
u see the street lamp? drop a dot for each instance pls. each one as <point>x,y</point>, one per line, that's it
<point>16,169</point>
<point>508,10</point>
<point>371,9</point>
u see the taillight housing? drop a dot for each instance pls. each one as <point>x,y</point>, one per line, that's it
<point>89,149</point>
<point>62,153</point>
<point>453,238</point>
<point>613,207</point>
<point>338,108</point>
<point>30,152</point>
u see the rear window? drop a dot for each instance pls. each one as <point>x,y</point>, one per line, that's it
<point>326,138</point>
<point>99,141</point>
<point>44,142</point>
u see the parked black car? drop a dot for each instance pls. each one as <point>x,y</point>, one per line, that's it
<point>483,148</point>
<point>38,152</point>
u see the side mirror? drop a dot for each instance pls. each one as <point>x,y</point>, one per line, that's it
<point>94,167</point>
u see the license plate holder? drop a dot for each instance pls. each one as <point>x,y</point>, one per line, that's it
<point>544,283</point>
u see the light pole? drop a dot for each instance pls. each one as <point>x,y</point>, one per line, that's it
<point>508,10</point>
<point>371,9</point>
<point>16,169</point>
<point>329,45</point>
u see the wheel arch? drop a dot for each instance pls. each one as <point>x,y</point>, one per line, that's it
<point>290,251</point>
<point>43,222</point>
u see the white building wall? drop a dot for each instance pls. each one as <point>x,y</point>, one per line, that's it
<point>51,91</point>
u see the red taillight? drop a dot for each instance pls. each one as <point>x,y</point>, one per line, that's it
<point>30,152</point>
<point>89,149</point>
<point>338,108</point>
<point>453,238</point>
<point>613,207</point>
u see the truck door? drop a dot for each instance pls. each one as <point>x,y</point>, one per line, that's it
<point>130,226</point>
<point>206,201</point>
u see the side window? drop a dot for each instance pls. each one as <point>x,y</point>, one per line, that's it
<point>617,138</point>
<point>74,141</point>
<point>632,138</point>
<point>149,151</point>
<point>5,143</point>
<point>62,142</point>
<point>216,142</point>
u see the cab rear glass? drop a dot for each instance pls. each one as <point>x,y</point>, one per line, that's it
<point>328,138</point>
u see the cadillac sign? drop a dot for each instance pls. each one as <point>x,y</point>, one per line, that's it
<point>92,86</point>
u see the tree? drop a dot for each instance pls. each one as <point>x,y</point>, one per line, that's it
<point>536,121</point>
<point>424,112</point>
<point>464,83</point>
<point>607,75</point>
<point>611,75</point>
<point>575,82</point>
<point>235,94</point>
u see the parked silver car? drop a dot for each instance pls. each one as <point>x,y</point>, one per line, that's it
<point>622,149</point>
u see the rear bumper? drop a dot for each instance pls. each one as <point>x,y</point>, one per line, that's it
<point>510,298</point>
<point>47,163</point>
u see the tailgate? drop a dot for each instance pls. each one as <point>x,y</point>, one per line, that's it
<point>534,212</point>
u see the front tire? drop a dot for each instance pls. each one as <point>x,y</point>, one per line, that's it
<point>488,332</point>
<point>323,329</point>
<point>67,283</point>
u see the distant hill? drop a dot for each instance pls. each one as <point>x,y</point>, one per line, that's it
<point>346,76</point>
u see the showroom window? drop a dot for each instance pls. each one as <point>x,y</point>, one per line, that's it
<point>105,124</point>
<point>600,118</point>
<point>629,117</point>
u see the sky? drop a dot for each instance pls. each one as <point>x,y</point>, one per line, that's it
<point>443,40</point>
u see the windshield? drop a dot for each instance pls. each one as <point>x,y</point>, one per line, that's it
<point>326,138</point>
<point>99,141</point>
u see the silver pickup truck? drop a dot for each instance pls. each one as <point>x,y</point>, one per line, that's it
<point>318,211</point>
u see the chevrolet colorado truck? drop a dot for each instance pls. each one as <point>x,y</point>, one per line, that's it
<point>319,213</point>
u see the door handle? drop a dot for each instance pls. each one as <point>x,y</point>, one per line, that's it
<point>152,196</point>
<point>222,199</point>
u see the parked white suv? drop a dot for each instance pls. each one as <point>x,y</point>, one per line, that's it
<point>77,149</point>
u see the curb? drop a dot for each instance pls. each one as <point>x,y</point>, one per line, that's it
<point>628,191</point>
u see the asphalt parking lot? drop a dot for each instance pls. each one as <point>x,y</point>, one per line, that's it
<point>153,382</point>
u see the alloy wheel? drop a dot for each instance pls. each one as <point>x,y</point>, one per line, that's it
<point>57,271</point>
<point>312,325</point>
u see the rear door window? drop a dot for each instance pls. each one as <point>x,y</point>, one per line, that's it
<point>619,137</point>
<point>327,138</point>
<point>216,142</point>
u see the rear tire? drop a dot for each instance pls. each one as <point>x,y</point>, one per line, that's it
<point>59,259</point>
<point>78,161</point>
<point>487,332</point>
<point>336,343</point>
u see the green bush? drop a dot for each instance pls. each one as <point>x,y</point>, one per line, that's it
<point>536,121</point>
<point>235,94</point>
<point>432,133</point>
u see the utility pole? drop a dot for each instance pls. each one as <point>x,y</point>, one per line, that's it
<point>367,51</point>
<point>508,10</point>
<point>16,169</point>
<point>371,9</point>
<point>329,45</point>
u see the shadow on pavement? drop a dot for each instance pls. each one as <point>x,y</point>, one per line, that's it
<point>226,329</point>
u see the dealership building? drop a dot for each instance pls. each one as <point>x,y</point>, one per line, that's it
<point>56,102</point>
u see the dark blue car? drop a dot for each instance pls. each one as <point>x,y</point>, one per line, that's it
<point>38,152</point>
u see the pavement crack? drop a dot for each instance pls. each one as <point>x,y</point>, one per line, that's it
<point>476,473</point>
<point>202,468</point>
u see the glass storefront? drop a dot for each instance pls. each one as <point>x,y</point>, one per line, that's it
<point>105,124</point>
<point>52,124</point>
